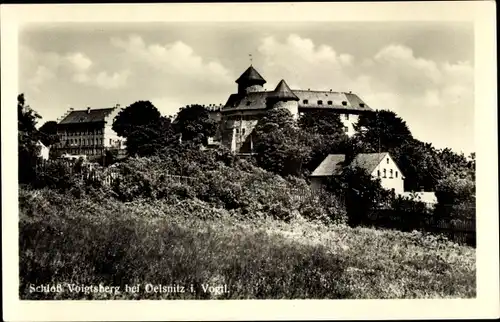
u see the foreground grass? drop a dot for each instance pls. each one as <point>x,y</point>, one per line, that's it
<point>64,241</point>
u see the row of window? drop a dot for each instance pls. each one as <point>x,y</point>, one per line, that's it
<point>384,171</point>
<point>242,131</point>
<point>89,141</point>
<point>320,102</point>
<point>87,132</point>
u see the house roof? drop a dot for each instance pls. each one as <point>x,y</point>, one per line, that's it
<point>251,76</point>
<point>307,100</point>
<point>331,165</point>
<point>368,161</point>
<point>84,116</point>
<point>284,92</point>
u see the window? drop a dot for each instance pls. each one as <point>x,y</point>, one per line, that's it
<point>110,141</point>
<point>305,101</point>
<point>330,102</point>
<point>346,129</point>
<point>344,103</point>
<point>396,174</point>
<point>320,102</point>
<point>378,173</point>
<point>248,103</point>
<point>347,116</point>
<point>237,131</point>
<point>385,173</point>
<point>390,173</point>
<point>362,104</point>
<point>387,160</point>
<point>243,131</point>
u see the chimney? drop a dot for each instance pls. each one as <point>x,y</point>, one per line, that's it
<point>88,109</point>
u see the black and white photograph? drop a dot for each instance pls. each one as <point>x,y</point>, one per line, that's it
<point>244,157</point>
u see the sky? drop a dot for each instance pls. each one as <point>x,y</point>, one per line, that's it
<point>423,71</point>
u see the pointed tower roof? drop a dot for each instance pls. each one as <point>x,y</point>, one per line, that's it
<point>282,91</point>
<point>251,76</point>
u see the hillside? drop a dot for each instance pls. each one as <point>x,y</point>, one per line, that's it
<point>91,241</point>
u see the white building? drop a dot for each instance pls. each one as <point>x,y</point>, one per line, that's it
<point>379,165</point>
<point>44,151</point>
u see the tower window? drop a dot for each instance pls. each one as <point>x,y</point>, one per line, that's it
<point>305,101</point>
<point>330,102</point>
<point>320,102</point>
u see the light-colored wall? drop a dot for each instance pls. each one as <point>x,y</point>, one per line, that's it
<point>389,182</point>
<point>111,139</point>
<point>292,106</point>
<point>249,89</point>
<point>349,120</point>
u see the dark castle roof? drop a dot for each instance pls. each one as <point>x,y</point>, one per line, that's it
<point>283,92</point>
<point>307,100</point>
<point>251,76</point>
<point>84,116</point>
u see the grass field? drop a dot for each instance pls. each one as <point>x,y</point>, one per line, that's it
<point>212,254</point>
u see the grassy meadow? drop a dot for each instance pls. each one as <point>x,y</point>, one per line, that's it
<point>194,244</point>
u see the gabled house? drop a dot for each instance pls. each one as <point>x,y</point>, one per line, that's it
<point>378,165</point>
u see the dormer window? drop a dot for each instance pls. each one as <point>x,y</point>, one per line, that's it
<point>344,103</point>
<point>320,102</point>
<point>305,101</point>
<point>330,102</point>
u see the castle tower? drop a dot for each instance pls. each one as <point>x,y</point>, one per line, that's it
<point>283,97</point>
<point>250,81</point>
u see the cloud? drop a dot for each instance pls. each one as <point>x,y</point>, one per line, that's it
<point>73,66</point>
<point>435,98</point>
<point>175,58</point>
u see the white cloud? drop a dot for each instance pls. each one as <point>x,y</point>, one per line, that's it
<point>173,58</point>
<point>436,99</point>
<point>73,66</point>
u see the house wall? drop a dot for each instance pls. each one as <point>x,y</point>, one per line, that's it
<point>292,106</point>
<point>317,183</point>
<point>111,139</point>
<point>390,175</point>
<point>236,130</point>
<point>349,120</point>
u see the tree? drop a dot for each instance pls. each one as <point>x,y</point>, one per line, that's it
<point>456,198</point>
<point>137,115</point>
<point>382,129</point>
<point>150,139</point>
<point>325,132</point>
<point>145,130</point>
<point>360,191</point>
<point>28,137</point>
<point>280,146</point>
<point>194,124</point>
<point>48,133</point>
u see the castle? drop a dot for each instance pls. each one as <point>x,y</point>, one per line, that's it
<point>239,116</point>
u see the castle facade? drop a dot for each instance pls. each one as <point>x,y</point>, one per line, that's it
<point>242,111</point>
